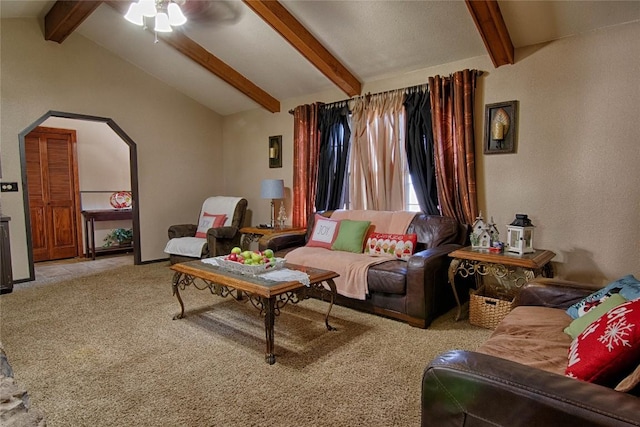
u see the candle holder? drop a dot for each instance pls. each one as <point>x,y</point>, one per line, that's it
<point>500,127</point>
<point>275,151</point>
<point>520,235</point>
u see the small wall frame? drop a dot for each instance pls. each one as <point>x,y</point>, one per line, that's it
<point>275,151</point>
<point>500,127</point>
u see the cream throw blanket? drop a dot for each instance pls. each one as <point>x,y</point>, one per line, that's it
<point>353,267</point>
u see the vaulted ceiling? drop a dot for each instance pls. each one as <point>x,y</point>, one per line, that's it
<point>237,55</point>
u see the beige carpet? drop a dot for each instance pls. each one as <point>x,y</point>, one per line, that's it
<point>103,350</point>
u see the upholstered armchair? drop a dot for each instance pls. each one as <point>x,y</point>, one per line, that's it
<point>217,231</point>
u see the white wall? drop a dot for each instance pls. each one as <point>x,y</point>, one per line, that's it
<point>103,168</point>
<point>575,172</point>
<point>178,140</point>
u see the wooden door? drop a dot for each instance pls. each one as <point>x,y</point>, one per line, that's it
<point>52,179</point>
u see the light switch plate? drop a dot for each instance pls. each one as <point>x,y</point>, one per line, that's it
<point>8,186</point>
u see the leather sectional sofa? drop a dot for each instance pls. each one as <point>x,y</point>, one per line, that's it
<point>516,378</point>
<point>415,291</point>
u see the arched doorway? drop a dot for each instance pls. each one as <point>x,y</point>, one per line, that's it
<point>133,165</point>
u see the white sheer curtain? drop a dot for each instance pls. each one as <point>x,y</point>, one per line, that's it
<point>378,159</point>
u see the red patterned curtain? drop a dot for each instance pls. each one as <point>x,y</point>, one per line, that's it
<point>452,105</point>
<point>306,149</point>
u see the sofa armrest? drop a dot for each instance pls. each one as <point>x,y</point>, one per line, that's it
<point>459,387</point>
<point>554,293</point>
<point>281,241</point>
<point>427,280</point>
<point>182,230</point>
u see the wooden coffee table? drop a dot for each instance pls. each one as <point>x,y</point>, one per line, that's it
<point>266,295</point>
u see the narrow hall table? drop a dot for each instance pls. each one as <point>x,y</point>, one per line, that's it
<point>90,218</point>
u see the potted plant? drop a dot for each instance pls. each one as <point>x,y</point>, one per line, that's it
<point>118,237</point>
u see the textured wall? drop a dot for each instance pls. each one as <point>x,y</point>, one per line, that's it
<point>575,172</point>
<point>178,140</point>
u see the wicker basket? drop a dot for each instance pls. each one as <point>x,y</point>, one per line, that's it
<point>487,311</point>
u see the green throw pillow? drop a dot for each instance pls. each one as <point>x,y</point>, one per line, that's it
<point>580,324</point>
<point>351,236</point>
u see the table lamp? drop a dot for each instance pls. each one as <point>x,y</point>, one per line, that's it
<point>272,189</point>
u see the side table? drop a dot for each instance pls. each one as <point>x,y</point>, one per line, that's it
<point>90,218</point>
<point>516,269</point>
<point>252,234</point>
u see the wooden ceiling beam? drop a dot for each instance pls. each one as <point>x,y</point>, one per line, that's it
<point>281,20</point>
<point>490,23</point>
<point>192,50</point>
<point>65,16</point>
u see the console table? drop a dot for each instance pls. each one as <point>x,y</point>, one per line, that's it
<point>90,217</point>
<point>515,269</point>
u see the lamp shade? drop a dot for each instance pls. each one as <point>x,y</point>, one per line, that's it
<point>134,15</point>
<point>148,8</point>
<point>272,189</point>
<point>162,23</point>
<point>176,17</point>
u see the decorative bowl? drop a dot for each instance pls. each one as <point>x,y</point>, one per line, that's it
<point>250,270</point>
<point>120,200</point>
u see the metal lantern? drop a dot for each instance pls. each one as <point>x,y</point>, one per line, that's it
<point>520,235</point>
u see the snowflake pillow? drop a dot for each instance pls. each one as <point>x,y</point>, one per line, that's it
<point>608,349</point>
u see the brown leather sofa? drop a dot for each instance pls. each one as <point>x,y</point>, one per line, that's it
<point>415,291</point>
<point>497,387</point>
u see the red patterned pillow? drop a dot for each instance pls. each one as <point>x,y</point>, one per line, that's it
<point>325,231</point>
<point>209,221</point>
<point>401,246</point>
<point>608,349</point>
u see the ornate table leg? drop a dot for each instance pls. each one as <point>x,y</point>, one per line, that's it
<point>269,320</point>
<point>247,239</point>
<point>453,268</point>
<point>547,270</point>
<point>334,291</point>
<point>176,292</point>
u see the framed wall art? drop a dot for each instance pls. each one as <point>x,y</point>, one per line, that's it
<point>275,151</point>
<point>500,127</point>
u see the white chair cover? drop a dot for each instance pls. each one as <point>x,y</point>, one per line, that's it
<point>192,246</point>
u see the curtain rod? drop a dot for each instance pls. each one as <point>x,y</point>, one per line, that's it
<point>369,95</point>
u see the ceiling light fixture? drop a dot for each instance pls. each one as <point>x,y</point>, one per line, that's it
<point>167,14</point>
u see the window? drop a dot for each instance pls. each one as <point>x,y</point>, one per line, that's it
<point>411,201</point>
